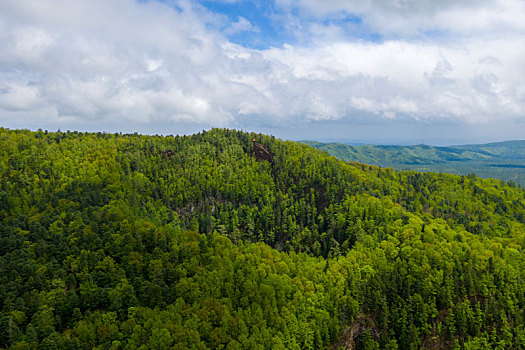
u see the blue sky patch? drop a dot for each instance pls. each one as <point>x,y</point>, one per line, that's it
<point>262,15</point>
<point>274,26</point>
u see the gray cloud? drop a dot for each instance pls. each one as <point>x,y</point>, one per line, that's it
<point>150,65</point>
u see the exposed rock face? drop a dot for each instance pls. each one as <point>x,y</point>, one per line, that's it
<point>261,153</point>
<point>351,337</point>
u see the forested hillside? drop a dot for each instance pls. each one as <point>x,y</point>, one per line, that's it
<point>500,160</point>
<point>114,241</point>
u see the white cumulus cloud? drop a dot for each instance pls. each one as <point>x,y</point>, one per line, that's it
<point>90,64</point>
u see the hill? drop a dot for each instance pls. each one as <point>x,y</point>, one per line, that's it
<point>502,160</point>
<point>148,242</point>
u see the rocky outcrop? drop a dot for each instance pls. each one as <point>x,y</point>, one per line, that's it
<point>261,153</point>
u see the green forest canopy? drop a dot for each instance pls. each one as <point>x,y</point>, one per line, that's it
<point>114,241</point>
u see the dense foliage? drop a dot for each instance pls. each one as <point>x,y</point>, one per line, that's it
<point>500,160</point>
<point>128,241</point>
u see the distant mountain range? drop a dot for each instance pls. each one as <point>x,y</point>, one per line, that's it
<point>501,160</point>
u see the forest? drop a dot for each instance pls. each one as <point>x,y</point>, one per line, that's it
<point>128,241</point>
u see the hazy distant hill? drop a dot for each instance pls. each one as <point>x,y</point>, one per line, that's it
<point>502,160</point>
<point>510,149</point>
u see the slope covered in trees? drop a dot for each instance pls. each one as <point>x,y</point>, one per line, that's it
<point>500,160</point>
<point>130,241</point>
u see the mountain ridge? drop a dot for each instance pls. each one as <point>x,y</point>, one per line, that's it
<point>497,160</point>
<point>159,242</point>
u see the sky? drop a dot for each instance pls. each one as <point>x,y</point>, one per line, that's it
<point>375,71</point>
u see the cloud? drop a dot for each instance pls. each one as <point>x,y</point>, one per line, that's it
<point>99,59</point>
<point>411,17</point>
<point>101,64</point>
<point>242,25</point>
